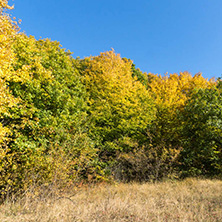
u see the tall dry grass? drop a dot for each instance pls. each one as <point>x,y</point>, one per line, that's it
<point>188,200</point>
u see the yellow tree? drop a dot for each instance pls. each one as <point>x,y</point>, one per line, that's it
<point>170,92</point>
<point>119,105</point>
<point>7,33</point>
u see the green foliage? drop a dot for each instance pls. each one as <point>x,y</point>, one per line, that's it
<point>49,124</point>
<point>202,133</point>
<point>137,74</point>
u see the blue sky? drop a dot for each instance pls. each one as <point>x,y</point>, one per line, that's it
<point>158,35</point>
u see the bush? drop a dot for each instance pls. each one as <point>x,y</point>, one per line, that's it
<point>146,163</point>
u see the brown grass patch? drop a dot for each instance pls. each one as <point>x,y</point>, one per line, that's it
<point>188,200</point>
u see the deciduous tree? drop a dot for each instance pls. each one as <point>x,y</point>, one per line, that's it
<point>202,133</point>
<point>120,106</point>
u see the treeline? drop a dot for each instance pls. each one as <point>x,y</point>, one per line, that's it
<point>66,120</point>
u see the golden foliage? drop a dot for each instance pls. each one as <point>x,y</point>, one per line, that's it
<point>7,33</point>
<point>109,79</point>
<point>170,93</point>
<point>173,90</point>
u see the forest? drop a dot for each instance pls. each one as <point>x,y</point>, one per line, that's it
<point>66,120</point>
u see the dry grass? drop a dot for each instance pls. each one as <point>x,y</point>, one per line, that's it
<point>189,200</point>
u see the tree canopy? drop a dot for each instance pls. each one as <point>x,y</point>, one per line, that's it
<point>64,120</point>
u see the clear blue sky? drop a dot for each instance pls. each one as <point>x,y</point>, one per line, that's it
<point>158,35</point>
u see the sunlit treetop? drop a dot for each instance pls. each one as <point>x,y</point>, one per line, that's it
<point>119,103</point>
<point>173,89</point>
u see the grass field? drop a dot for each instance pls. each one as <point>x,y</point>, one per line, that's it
<point>188,200</point>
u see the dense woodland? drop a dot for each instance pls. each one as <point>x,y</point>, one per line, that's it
<point>66,120</point>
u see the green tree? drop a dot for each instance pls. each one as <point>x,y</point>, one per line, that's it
<point>49,124</point>
<point>202,133</point>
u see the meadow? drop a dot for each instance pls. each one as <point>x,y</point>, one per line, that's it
<point>187,200</point>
